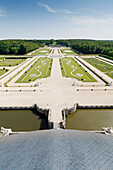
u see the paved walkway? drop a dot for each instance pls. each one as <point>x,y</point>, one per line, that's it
<point>55,93</point>
<point>104,76</point>
<point>99,81</point>
<point>29,63</point>
<point>16,70</point>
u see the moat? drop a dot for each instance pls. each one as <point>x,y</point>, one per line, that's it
<point>22,120</point>
<point>90,119</point>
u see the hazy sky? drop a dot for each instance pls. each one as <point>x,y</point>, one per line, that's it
<point>45,19</point>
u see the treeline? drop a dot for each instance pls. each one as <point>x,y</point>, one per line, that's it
<point>89,46</point>
<point>20,47</point>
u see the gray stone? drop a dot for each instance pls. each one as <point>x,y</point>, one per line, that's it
<point>56,150</point>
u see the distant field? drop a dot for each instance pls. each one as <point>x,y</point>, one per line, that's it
<point>42,52</point>
<point>101,65</point>
<point>3,71</point>
<point>40,69</point>
<point>70,68</point>
<point>68,51</point>
<point>11,62</point>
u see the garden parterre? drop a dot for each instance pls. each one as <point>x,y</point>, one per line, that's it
<point>101,65</point>
<point>70,68</point>
<point>40,69</point>
<point>11,62</point>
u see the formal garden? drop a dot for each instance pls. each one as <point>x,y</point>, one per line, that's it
<point>68,51</point>
<point>40,69</point>
<point>10,62</point>
<point>42,51</point>
<point>70,68</point>
<point>101,65</point>
<point>3,71</point>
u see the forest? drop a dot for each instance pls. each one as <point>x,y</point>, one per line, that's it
<point>102,47</point>
<point>20,47</point>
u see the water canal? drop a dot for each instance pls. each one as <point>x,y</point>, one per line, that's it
<point>22,120</point>
<point>82,119</point>
<point>90,119</point>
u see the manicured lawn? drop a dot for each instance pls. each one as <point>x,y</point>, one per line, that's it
<point>68,51</point>
<point>110,75</point>
<point>11,62</point>
<point>101,65</point>
<point>42,52</point>
<point>3,71</point>
<point>70,68</point>
<point>40,69</point>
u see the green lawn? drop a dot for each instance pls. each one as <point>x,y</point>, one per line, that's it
<point>42,53</point>
<point>70,68</point>
<point>68,53</point>
<point>110,74</point>
<point>40,69</point>
<point>11,62</point>
<point>3,71</point>
<point>101,65</point>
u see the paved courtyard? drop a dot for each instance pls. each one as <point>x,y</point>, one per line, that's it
<point>55,92</point>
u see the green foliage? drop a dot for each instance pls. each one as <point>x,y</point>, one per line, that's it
<point>18,47</point>
<point>89,46</point>
<point>110,53</point>
<point>14,50</point>
<point>22,49</point>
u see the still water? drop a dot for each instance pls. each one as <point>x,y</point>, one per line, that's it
<point>90,119</point>
<point>22,120</point>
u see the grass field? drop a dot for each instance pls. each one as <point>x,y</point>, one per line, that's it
<point>40,69</point>
<point>3,71</point>
<point>70,68</point>
<point>101,65</point>
<point>11,62</point>
<point>42,53</point>
<point>68,53</point>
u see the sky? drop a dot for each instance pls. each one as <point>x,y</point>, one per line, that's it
<point>56,19</point>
